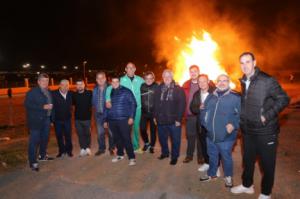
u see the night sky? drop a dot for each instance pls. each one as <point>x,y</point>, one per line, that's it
<point>105,32</point>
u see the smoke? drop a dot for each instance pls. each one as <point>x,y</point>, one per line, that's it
<point>236,28</point>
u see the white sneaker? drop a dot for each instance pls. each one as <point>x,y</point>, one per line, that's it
<point>88,151</point>
<point>132,162</point>
<point>241,189</point>
<point>228,181</point>
<point>204,167</point>
<point>117,159</point>
<point>218,172</point>
<point>82,153</point>
<point>263,196</point>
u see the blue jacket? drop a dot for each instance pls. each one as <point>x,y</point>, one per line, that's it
<point>36,114</point>
<point>123,105</point>
<point>220,111</point>
<point>95,100</point>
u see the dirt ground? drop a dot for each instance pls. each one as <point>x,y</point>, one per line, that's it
<point>97,177</point>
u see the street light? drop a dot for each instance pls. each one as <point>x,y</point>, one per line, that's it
<point>26,65</point>
<point>64,67</point>
<point>76,67</point>
<point>43,66</point>
<point>84,63</point>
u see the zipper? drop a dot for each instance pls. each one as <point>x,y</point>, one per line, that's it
<point>148,101</point>
<point>214,119</point>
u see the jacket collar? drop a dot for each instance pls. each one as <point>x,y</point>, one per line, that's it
<point>253,77</point>
<point>226,93</point>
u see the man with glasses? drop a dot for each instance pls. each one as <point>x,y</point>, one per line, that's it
<point>221,120</point>
<point>147,92</point>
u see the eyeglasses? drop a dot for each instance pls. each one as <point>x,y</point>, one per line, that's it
<point>223,81</point>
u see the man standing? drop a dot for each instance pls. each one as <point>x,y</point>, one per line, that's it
<point>147,92</point>
<point>38,104</point>
<point>262,101</point>
<point>197,107</point>
<point>221,119</point>
<point>192,130</point>
<point>82,100</point>
<point>120,119</point>
<point>62,105</point>
<point>99,107</point>
<point>169,108</point>
<point>133,83</point>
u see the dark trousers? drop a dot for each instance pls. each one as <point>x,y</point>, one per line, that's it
<point>121,133</point>
<point>263,146</point>
<point>193,137</point>
<point>101,134</point>
<point>63,132</point>
<point>164,131</point>
<point>143,128</point>
<point>38,138</point>
<point>83,128</point>
<point>203,143</point>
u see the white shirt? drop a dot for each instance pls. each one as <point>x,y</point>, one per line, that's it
<point>64,95</point>
<point>247,83</point>
<point>203,96</point>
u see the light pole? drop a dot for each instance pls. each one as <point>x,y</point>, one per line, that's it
<point>84,79</point>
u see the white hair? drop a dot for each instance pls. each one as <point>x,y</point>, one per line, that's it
<point>64,81</point>
<point>223,75</point>
<point>168,71</point>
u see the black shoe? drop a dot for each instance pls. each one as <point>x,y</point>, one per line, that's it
<point>207,178</point>
<point>146,147</point>
<point>161,157</point>
<point>35,167</point>
<point>99,153</point>
<point>46,158</point>
<point>70,154</point>
<point>60,155</point>
<point>151,150</point>
<point>173,161</point>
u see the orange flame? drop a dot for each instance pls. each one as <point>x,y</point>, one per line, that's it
<point>200,51</point>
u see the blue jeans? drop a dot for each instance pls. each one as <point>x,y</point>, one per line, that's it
<point>38,137</point>
<point>223,149</point>
<point>63,132</point>
<point>101,134</point>
<point>121,131</point>
<point>164,131</point>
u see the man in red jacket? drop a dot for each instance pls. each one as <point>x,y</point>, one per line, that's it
<point>192,131</point>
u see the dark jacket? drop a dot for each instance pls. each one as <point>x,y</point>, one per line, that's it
<point>62,108</point>
<point>123,105</point>
<point>196,101</point>
<point>147,94</point>
<point>187,87</point>
<point>36,114</point>
<point>83,105</point>
<point>169,105</point>
<point>220,111</point>
<point>264,97</point>
<point>95,99</point>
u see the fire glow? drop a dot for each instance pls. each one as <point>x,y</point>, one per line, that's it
<point>201,51</point>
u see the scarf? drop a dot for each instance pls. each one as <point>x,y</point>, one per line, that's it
<point>168,90</point>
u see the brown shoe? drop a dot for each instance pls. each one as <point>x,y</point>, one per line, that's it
<point>200,161</point>
<point>111,152</point>
<point>187,160</point>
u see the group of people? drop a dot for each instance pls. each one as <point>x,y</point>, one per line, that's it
<point>212,112</point>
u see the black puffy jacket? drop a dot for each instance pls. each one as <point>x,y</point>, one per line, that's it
<point>147,94</point>
<point>264,97</point>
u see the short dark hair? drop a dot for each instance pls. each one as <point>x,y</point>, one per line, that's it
<point>203,75</point>
<point>115,76</point>
<point>79,80</point>
<point>43,75</point>
<point>194,66</point>
<point>247,53</point>
<point>149,73</point>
